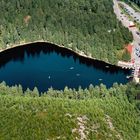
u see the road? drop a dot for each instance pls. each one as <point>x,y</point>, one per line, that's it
<point>126,22</point>
<point>130,11</point>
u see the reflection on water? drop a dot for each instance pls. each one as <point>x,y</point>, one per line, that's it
<point>45,65</point>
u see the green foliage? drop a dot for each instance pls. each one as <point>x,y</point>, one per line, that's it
<point>105,114</point>
<point>126,56</point>
<point>89,26</point>
<point>133,94</point>
<point>86,25</point>
<point>135,1</point>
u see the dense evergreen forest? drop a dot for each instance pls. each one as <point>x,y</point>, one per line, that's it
<point>135,1</point>
<point>87,25</point>
<point>94,113</point>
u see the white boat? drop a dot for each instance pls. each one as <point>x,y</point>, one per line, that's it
<point>71,68</point>
<point>107,66</point>
<point>77,74</point>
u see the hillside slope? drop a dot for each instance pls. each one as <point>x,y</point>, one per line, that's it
<point>89,26</point>
<point>95,113</point>
<point>23,118</point>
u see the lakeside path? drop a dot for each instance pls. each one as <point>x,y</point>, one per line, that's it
<point>76,51</point>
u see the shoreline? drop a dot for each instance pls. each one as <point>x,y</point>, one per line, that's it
<point>78,52</point>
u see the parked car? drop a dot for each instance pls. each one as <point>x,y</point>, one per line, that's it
<point>137,49</point>
<point>138,54</point>
<point>137,33</point>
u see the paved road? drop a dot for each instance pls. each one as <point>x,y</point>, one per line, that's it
<point>135,15</point>
<point>126,22</point>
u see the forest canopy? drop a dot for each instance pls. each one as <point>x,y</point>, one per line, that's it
<point>93,113</point>
<point>135,1</point>
<point>87,25</point>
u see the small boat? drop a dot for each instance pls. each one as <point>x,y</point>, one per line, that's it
<point>107,66</point>
<point>71,68</point>
<point>49,77</point>
<point>77,74</point>
<point>128,77</point>
<point>100,79</point>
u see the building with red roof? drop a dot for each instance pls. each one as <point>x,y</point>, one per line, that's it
<point>129,48</point>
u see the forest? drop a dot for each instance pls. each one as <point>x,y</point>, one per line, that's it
<point>135,1</point>
<point>87,25</point>
<point>93,113</point>
<point>85,114</point>
<point>132,1</point>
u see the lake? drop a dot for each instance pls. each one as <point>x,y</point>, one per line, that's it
<point>45,65</point>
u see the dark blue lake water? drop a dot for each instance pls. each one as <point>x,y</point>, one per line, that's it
<point>44,66</point>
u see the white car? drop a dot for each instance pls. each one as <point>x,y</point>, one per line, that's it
<point>138,54</point>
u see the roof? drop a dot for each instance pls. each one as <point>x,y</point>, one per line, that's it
<point>129,48</point>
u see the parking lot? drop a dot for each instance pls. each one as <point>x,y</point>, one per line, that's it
<point>126,22</point>
<point>130,11</point>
